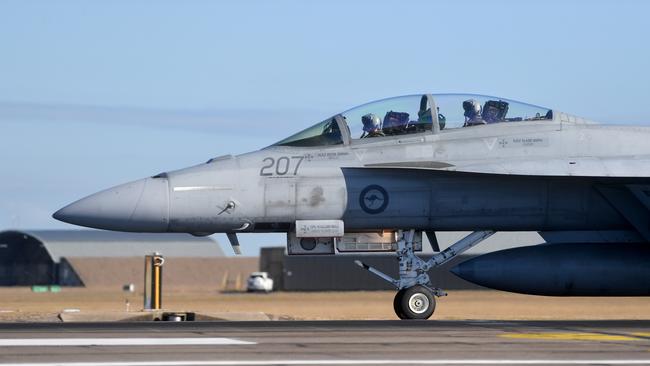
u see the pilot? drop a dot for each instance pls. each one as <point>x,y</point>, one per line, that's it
<point>371,126</point>
<point>472,113</point>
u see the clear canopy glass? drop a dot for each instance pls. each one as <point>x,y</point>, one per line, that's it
<point>413,114</point>
<point>392,116</point>
<point>466,110</point>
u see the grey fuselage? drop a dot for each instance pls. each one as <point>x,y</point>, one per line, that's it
<point>528,176</point>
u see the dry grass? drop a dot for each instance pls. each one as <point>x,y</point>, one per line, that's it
<point>20,304</point>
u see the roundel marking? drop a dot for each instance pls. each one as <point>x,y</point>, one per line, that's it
<point>373,199</point>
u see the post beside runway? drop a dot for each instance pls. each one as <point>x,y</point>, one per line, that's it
<point>153,281</point>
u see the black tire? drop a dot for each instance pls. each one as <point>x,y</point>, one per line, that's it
<point>397,304</point>
<point>417,302</point>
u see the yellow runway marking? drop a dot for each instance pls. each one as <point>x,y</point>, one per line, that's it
<point>571,336</point>
<point>642,334</point>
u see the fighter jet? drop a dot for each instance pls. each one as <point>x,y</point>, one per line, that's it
<point>381,176</point>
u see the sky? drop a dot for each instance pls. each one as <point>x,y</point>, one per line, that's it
<point>93,94</point>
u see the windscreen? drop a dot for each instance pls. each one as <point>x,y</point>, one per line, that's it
<point>321,134</point>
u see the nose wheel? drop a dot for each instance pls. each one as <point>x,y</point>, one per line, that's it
<point>416,302</point>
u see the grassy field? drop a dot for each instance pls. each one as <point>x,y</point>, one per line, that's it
<point>21,304</point>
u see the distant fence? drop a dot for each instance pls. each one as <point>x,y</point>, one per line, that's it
<point>180,273</point>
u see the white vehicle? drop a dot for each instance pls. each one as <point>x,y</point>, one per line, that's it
<point>259,281</point>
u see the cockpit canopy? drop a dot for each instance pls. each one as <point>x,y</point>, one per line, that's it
<point>415,114</point>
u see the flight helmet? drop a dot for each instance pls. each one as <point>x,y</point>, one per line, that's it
<point>472,109</point>
<point>371,122</point>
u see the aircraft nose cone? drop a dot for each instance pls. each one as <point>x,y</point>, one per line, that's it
<point>139,206</point>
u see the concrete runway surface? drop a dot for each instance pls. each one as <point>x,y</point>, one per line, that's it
<point>327,343</point>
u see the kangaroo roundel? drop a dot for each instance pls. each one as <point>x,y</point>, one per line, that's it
<point>373,199</point>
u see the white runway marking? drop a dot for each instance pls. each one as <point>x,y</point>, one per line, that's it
<point>41,342</point>
<point>344,362</point>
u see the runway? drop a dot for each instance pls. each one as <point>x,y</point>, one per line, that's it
<point>326,343</point>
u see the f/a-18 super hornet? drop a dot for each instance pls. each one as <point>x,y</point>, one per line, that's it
<point>381,176</point>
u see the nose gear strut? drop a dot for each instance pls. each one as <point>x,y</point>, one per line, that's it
<point>415,295</point>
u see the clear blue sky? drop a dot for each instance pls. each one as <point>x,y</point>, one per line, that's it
<point>124,89</point>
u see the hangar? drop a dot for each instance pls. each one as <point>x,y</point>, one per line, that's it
<point>44,257</point>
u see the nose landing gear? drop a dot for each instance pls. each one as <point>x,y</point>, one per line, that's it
<point>415,298</point>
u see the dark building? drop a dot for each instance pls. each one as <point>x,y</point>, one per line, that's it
<point>25,261</point>
<point>40,257</point>
<point>272,261</point>
<point>340,273</point>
